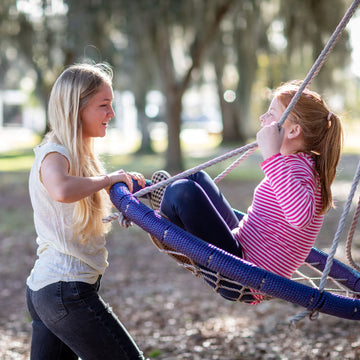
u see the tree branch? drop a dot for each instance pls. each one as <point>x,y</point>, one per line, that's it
<point>201,43</point>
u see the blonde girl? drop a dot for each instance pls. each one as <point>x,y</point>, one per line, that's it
<point>67,188</point>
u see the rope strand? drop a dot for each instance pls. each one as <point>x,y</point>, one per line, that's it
<point>351,237</point>
<point>340,228</point>
<point>308,79</point>
<point>335,243</point>
<point>321,59</point>
<point>230,168</point>
<point>195,169</point>
<point>251,147</point>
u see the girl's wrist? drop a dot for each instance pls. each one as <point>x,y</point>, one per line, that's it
<point>269,160</point>
<point>109,182</point>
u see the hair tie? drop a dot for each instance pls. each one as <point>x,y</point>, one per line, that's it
<point>330,114</point>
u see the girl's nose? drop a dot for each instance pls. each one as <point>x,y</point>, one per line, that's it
<point>111,112</point>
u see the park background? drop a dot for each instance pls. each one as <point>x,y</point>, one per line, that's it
<point>191,79</point>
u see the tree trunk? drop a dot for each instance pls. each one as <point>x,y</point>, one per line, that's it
<point>173,87</point>
<point>247,40</point>
<point>174,159</point>
<point>143,123</point>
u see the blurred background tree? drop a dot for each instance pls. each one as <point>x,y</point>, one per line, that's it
<point>240,48</point>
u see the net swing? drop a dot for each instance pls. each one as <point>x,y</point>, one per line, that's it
<point>334,290</point>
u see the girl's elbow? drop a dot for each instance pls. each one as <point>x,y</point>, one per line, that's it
<point>64,200</point>
<point>61,195</point>
<point>61,199</point>
<point>301,224</point>
<point>302,217</point>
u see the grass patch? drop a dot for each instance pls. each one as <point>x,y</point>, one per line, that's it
<point>20,160</point>
<point>15,211</point>
<point>16,220</point>
<point>155,353</point>
<point>248,170</point>
<point>196,151</point>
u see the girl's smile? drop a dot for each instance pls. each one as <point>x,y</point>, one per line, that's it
<point>97,113</point>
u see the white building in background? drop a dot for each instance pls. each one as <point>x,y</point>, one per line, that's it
<point>15,112</point>
<point>125,112</point>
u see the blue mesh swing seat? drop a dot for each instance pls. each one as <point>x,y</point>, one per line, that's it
<point>227,288</point>
<point>232,276</point>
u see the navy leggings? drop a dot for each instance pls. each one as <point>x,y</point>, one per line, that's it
<point>197,205</point>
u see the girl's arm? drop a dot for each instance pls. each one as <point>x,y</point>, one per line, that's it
<point>294,186</point>
<point>62,187</point>
<point>292,181</point>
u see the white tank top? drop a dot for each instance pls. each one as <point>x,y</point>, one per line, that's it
<point>61,256</point>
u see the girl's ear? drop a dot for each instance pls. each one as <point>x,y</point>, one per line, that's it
<point>294,131</point>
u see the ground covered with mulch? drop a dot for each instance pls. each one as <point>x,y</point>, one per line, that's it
<point>171,314</point>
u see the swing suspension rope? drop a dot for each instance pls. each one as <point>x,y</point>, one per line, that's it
<point>248,149</point>
<point>252,146</point>
<point>351,237</point>
<point>335,243</point>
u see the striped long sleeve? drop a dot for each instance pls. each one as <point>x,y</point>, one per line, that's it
<point>284,219</point>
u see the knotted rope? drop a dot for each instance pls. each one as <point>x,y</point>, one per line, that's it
<point>123,221</point>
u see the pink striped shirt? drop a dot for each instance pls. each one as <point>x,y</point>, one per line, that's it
<point>283,221</point>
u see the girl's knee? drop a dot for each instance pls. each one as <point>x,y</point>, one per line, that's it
<point>200,177</point>
<point>182,192</point>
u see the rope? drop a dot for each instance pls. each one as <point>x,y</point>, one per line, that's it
<point>195,169</point>
<point>308,79</point>
<point>123,221</point>
<point>321,59</point>
<point>334,246</point>
<point>340,228</point>
<point>311,75</point>
<point>252,146</point>
<point>234,165</point>
<point>350,238</point>
<point>245,150</point>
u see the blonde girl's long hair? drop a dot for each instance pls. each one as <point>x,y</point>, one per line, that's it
<point>70,94</point>
<point>322,133</point>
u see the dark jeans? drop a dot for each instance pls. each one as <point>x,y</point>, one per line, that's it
<point>70,320</point>
<point>197,205</point>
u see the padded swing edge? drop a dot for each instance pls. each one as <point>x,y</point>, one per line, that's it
<point>229,265</point>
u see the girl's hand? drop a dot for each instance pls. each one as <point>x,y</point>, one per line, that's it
<point>269,139</point>
<point>138,177</point>
<point>120,176</point>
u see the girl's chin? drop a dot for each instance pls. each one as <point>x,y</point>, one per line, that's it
<point>103,133</point>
